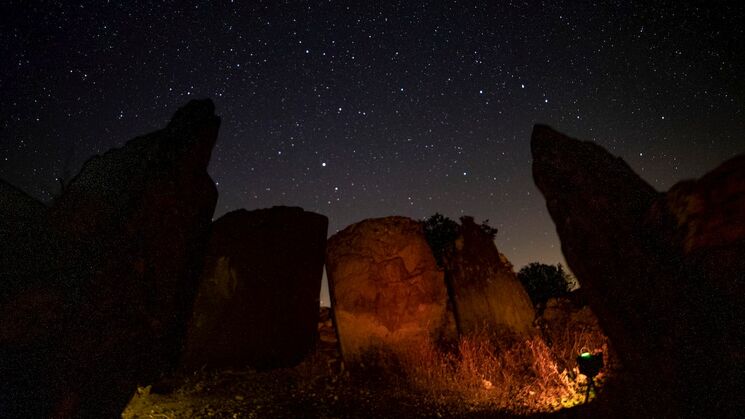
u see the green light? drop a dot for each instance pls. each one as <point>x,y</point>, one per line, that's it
<point>585,355</point>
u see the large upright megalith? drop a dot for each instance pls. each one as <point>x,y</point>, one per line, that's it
<point>664,272</point>
<point>96,289</point>
<point>257,303</point>
<point>484,290</point>
<point>386,289</point>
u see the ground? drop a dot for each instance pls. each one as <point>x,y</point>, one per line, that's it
<point>320,387</point>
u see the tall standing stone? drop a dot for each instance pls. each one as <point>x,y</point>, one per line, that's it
<point>484,290</point>
<point>96,298</point>
<point>257,304</point>
<point>661,271</point>
<point>386,289</point>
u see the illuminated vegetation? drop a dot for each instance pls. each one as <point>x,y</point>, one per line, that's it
<point>484,374</point>
<point>500,373</point>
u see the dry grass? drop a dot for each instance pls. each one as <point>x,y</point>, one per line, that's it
<point>486,374</point>
<point>574,338</point>
<point>488,371</point>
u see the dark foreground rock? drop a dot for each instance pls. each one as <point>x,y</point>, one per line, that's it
<point>663,272</point>
<point>258,302</point>
<point>386,288</point>
<point>483,287</point>
<point>95,291</point>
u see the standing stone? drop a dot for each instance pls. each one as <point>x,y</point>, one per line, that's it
<point>96,297</point>
<point>258,300</point>
<point>661,271</point>
<point>709,220</point>
<point>387,291</point>
<point>484,290</point>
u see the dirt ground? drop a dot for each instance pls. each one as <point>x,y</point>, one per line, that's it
<point>283,394</point>
<point>317,388</point>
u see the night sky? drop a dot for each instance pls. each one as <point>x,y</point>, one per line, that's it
<point>377,108</point>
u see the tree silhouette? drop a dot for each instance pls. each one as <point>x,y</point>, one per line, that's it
<point>441,233</point>
<point>543,281</point>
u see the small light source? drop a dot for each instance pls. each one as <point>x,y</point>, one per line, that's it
<point>590,365</point>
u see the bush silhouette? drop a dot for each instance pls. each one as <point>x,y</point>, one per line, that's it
<point>441,233</point>
<point>543,281</point>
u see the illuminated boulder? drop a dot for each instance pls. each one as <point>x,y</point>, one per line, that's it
<point>663,272</point>
<point>257,304</point>
<point>102,282</point>
<point>484,290</point>
<point>387,291</point>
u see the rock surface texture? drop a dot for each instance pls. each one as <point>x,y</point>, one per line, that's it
<point>386,289</point>
<point>663,272</point>
<point>96,289</point>
<point>484,290</point>
<point>257,304</point>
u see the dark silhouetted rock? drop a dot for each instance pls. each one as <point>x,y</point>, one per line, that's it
<point>327,345</point>
<point>661,271</point>
<point>257,304</point>
<point>386,289</point>
<point>709,220</point>
<point>484,290</point>
<point>96,292</point>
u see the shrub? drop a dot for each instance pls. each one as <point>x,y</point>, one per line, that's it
<point>495,372</point>
<point>543,281</point>
<point>441,233</point>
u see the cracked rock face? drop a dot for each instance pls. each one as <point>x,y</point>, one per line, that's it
<point>485,292</point>
<point>386,288</point>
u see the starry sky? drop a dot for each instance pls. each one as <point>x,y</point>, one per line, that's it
<point>368,109</point>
